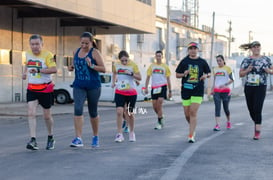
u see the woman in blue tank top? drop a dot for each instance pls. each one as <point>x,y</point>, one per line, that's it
<point>87,63</point>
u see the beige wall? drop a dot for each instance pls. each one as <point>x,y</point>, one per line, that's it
<point>128,13</point>
<point>62,41</point>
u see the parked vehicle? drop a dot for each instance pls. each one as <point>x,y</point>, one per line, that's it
<point>63,91</point>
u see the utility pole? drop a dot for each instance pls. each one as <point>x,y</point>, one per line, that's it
<point>250,39</point>
<point>211,54</point>
<point>229,37</point>
<point>212,39</point>
<point>167,33</point>
<point>250,36</point>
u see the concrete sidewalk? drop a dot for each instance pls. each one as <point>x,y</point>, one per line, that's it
<point>15,110</point>
<point>9,110</point>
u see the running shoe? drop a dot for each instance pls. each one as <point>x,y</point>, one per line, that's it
<point>119,138</point>
<point>228,125</point>
<point>50,144</point>
<point>77,142</point>
<point>32,145</point>
<point>158,126</point>
<point>256,135</point>
<point>162,122</point>
<point>126,129</point>
<point>95,142</point>
<point>191,139</point>
<point>216,128</point>
<point>132,137</point>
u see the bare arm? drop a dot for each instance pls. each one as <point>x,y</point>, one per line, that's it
<point>244,72</point>
<point>24,75</point>
<point>114,79</point>
<point>71,66</point>
<point>137,76</point>
<point>230,80</point>
<point>147,81</point>
<point>213,85</point>
<point>98,58</point>
<point>268,70</point>
<point>147,84</point>
<point>169,86</point>
<point>50,70</point>
<point>181,75</point>
<point>205,76</point>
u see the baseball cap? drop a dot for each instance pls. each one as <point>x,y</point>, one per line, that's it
<point>193,44</point>
<point>255,43</point>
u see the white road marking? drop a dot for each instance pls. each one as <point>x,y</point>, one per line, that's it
<point>239,124</point>
<point>174,170</point>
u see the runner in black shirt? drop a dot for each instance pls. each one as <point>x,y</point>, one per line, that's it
<point>193,70</point>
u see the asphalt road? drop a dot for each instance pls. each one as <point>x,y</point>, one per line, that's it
<point>157,154</point>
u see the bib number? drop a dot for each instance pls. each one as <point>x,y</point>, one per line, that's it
<point>35,75</point>
<point>124,85</point>
<point>157,90</point>
<point>253,78</point>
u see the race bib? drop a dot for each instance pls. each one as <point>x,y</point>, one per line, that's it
<point>36,75</point>
<point>124,85</point>
<point>188,86</point>
<point>157,90</point>
<point>253,78</point>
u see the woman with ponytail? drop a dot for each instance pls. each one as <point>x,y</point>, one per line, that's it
<point>221,91</point>
<point>255,69</point>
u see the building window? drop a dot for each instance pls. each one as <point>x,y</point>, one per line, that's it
<point>68,60</point>
<point>5,56</point>
<point>24,58</point>
<point>149,2</point>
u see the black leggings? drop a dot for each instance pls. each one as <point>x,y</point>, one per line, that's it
<point>92,96</point>
<point>255,96</point>
<point>225,98</point>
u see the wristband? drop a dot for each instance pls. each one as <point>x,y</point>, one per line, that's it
<point>38,70</point>
<point>92,66</point>
<point>132,74</point>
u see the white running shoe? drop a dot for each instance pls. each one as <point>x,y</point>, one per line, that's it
<point>119,138</point>
<point>158,126</point>
<point>132,137</point>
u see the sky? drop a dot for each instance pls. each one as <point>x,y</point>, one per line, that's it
<point>246,15</point>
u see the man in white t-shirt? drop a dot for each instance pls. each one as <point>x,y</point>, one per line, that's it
<point>40,65</point>
<point>160,74</point>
